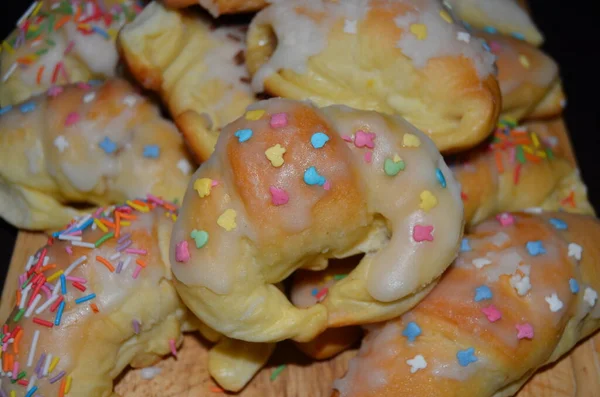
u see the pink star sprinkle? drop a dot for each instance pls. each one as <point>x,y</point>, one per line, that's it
<point>492,313</point>
<point>327,185</point>
<point>278,196</point>
<point>348,138</point>
<point>524,331</point>
<point>84,86</point>
<point>72,118</point>
<point>214,183</point>
<point>55,91</point>
<point>364,139</point>
<point>368,157</point>
<point>182,252</point>
<point>422,233</point>
<point>506,219</point>
<point>495,47</point>
<point>279,120</point>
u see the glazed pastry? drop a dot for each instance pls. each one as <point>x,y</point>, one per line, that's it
<point>85,145</point>
<point>520,295</point>
<point>199,71</point>
<point>221,7</point>
<point>290,186</point>
<point>515,171</point>
<point>406,57</point>
<point>97,298</point>
<point>61,42</point>
<point>505,16</point>
<point>526,76</point>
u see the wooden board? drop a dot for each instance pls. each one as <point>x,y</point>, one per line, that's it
<point>576,375</point>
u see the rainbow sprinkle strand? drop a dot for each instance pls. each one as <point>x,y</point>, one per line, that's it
<point>36,28</point>
<point>45,293</point>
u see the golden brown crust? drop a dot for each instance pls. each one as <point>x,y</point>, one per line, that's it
<point>221,7</point>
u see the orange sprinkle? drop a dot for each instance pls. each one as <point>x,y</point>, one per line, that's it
<point>77,16</point>
<point>216,389</point>
<point>5,362</point>
<point>499,165</point>
<point>140,203</point>
<point>127,216</point>
<point>169,206</point>
<point>17,340</point>
<point>117,224</point>
<point>18,297</point>
<point>94,308</point>
<point>570,199</point>
<point>25,61</point>
<point>108,223</point>
<point>106,263</point>
<point>48,267</point>
<point>61,391</point>
<point>517,174</point>
<point>140,262</point>
<point>532,157</point>
<point>61,22</point>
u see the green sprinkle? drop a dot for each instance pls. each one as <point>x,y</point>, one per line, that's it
<point>508,122</point>
<point>520,154</point>
<point>549,153</point>
<point>277,371</point>
<point>19,315</point>
<point>51,21</point>
<point>51,43</point>
<point>41,52</point>
<point>103,239</point>
<point>27,282</point>
<point>339,277</point>
<point>21,375</point>
<point>392,168</point>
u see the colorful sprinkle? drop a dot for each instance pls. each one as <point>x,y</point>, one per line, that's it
<point>318,140</point>
<point>466,357</point>
<point>411,331</point>
<point>575,251</point>
<point>524,61</point>
<point>312,177</point>
<point>554,303</point>
<point>506,219</point>
<point>524,331</point>
<point>440,177</point>
<point>243,135</point>
<point>72,119</point>
<point>85,298</point>
<point>276,372</point>
<point>350,26</point>
<point>184,166</point>
<point>200,237</point>
<point>481,262</point>
<point>364,139</point>
<point>278,120</point>
<point>61,143</point>
<point>275,155</point>
<point>490,29</point>
<point>278,196</point>
<point>445,16</point>
<point>5,110</point>
<point>151,151</point>
<point>558,224</point>
<point>573,285</point>
<point>422,233</point>
<point>464,245</point>
<point>492,313</point>
<point>590,296</point>
<point>254,115</point>
<point>130,100</point>
<point>27,107</point>
<point>392,166</point>
<point>173,347</point>
<point>417,363</point>
<point>463,36</point>
<point>535,248</point>
<point>482,293</point>
<point>419,30</point>
<point>136,326</point>
<point>108,145</point>
<point>203,186</point>
<point>227,220</point>
<point>428,200</point>
<point>89,97</point>
<point>411,140</point>
<point>182,252</point>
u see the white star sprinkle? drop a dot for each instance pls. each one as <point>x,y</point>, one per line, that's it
<point>481,262</point>
<point>130,100</point>
<point>417,363</point>
<point>575,251</point>
<point>534,210</point>
<point>89,97</point>
<point>590,296</point>
<point>61,143</point>
<point>554,303</point>
<point>350,26</point>
<point>463,36</point>
<point>521,284</point>
<point>184,166</point>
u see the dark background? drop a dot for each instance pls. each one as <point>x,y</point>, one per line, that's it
<point>572,38</point>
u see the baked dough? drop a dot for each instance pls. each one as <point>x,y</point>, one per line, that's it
<point>85,145</point>
<point>221,7</point>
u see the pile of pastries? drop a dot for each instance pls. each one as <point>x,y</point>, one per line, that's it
<point>373,172</point>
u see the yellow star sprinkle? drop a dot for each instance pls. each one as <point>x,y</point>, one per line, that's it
<point>428,200</point>
<point>524,61</point>
<point>410,140</point>
<point>203,186</point>
<point>445,16</point>
<point>419,30</point>
<point>254,115</point>
<point>275,155</point>
<point>227,220</point>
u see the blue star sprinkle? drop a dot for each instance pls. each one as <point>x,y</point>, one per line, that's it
<point>243,135</point>
<point>318,140</point>
<point>464,245</point>
<point>483,293</point>
<point>108,146</point>
<point>574,285</point>
<point>411,331</point>
<point>466,357</point>
<point>558,224</point>
<point>27,107</point>
<point>5,109</point>
<point>535,248</point>
<point>151,151</point>
<point>312,177</point>
<point>440,177</point>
